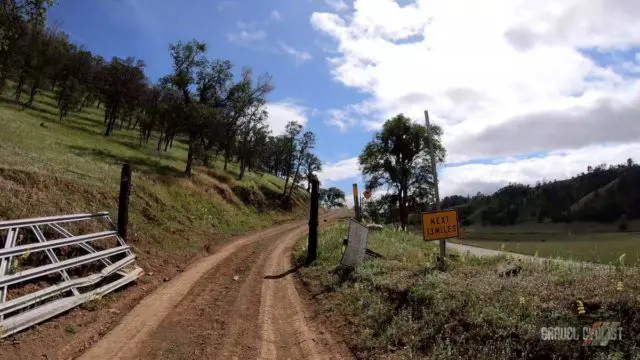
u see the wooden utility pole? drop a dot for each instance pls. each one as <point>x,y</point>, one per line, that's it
<point>312,247</point>
<point>123,201</point>
<point>356,203</point>
<point>443,243</point>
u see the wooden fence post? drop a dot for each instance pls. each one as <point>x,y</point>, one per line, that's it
<point>312,247</point>
<point>123,201</point>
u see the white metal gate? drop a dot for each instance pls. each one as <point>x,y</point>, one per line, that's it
<point>45,269</point>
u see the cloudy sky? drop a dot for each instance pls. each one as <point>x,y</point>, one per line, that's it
<point>524,90</point>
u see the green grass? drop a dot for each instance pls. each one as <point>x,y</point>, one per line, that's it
<point>585,242</point>
<point>51,167</point>
<point>403,307</point>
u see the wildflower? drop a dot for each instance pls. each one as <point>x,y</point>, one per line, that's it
<point>581,309</point>
<point>621,259</point>
<point>619,286</point>
<point>522,301</point>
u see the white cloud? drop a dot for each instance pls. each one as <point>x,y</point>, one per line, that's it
<point>502,77</point>
<point>558,165</point>
<point>281,112</point>
<point>275,15</point>
<point>244,37</point>
<point>339,170</point>
<point>248,33</point>
<point>468,79</point>
<point>300,56</point>
<point>341,119</point>
<point>337,5</point>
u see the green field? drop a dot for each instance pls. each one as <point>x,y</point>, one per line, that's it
<point>570,241</point>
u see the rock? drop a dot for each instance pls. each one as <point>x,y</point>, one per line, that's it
<point>114,311</point>
<point>150,273</point>
<point>375,227</point>
<point>15,342</point>
<point>236,277</point>
<point>508,270</point>
<point>165,279</point>
<point>43,125</point>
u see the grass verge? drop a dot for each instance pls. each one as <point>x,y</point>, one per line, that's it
<point>403,307</point>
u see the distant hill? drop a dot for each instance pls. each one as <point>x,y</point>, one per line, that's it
<point>602,194</point>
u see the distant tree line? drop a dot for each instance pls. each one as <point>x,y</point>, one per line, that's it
<point>201,102</point>
<point>604,193</point>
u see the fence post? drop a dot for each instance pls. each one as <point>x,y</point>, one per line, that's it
<point>123,201</point>
<point>312,247</point>
<point>356,203</point>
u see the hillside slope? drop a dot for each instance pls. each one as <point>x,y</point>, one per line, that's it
<point>48,167</point>
<point>600,195</point>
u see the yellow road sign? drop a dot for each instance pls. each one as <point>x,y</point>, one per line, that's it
<point>439,225</point>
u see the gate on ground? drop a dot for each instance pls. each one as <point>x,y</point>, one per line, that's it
<point>49,265</point>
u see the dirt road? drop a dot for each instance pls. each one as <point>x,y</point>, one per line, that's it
<point>240,303</point>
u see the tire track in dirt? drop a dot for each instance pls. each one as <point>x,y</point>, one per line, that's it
<point>209,313</point>
<point>287,331</point>
<point>125,339</point>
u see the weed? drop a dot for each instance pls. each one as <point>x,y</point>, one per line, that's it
<point>401,307</point>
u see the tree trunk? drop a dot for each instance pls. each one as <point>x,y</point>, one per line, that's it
<point>226,157</point>
<point>20,86</point>
<point>295,177</point>
<point>187,171</point>
<point>32,93</point>
<point>85,102</point>
<point>110,126</point>
<point>160,140</point>
<point>3,81</point>
<point>99,102</point>
<point>167,141</point>
<point>403,210</point>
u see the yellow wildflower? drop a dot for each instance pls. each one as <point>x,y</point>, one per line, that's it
<point>581,309</point>
<point>619,286</point>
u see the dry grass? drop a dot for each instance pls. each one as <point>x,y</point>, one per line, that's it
<point>403,307</point>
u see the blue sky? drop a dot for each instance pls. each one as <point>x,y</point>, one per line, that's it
<point>523,90</point>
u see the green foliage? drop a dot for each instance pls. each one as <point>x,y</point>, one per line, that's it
<point>332,198</point>
<point>603,194</point>
<point>398,158</point>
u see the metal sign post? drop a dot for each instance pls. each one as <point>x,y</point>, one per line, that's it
<point>443,243</point>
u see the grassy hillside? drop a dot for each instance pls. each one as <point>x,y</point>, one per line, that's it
<point>402,307</point>
<point>48,167</point>
<point>601,195</point>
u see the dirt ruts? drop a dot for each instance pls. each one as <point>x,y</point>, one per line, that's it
<point>239,303</point>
